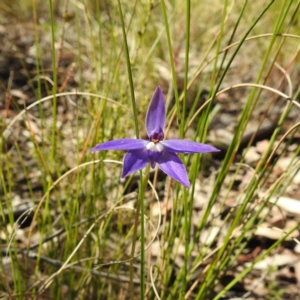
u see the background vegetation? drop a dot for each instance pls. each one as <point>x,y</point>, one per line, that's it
<point>70,227</point>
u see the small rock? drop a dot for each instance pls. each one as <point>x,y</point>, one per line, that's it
<point>251,155</point>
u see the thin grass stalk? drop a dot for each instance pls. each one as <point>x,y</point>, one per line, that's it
<point>211,274</point>
<point>141,189</point>
<point>206,125</point>
<point>171,230</point>
<point>98,16</point>
<point>54,88</point>
<point>236,25</point>
<point>251,221</point>
<point>280,20</point>
<point>174,231</point>
<point>222,266</point>
<point>270,167</point>
<point>259,258</point>
<point>213,89</point>
<point>284,10</point>
<point>180,112</point>
<point>37,57</point>
<point>116,69</point>
<point>129,71</point>
<point>187,204</point>
<point>238,133</point>
<point>172,63</point>
<point>94,47</point>
<point>6,185</point>
<point>25,173</point>
<point>261,165</point>
<point>186,60</point>
<point>79,48</point>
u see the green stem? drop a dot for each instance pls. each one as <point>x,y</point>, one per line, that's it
<point>180,124</point>
<point>185,198</point>
<point>136,124</point>
<point>141,200</point>
<point>54,89</point>
<point>141,190</point>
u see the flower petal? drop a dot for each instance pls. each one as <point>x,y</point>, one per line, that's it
<point>135,160</point>
<point>171,164</point>
<point>122,144</point>
<point>156,113</point>
<point>185,146</point>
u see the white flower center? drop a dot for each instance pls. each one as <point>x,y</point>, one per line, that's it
<point>158,147</point>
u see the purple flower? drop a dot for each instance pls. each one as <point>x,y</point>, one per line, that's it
<point>156,150</point>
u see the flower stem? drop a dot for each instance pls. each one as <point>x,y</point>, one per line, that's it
<point>140,211</point>
<point>141,191</point>
<point>141,200</point>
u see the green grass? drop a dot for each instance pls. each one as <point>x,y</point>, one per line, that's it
<point>96,65</point>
